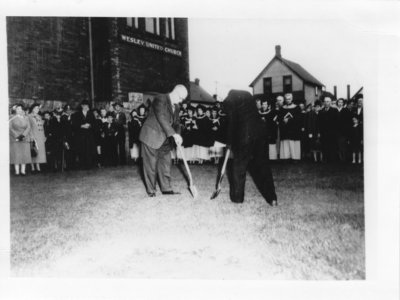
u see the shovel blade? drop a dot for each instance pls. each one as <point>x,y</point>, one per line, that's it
<point>215,194</point>
<point>193,191</point>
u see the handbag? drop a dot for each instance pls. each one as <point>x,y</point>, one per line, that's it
<point>34,149</point>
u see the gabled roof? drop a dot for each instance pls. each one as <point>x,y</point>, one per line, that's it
<point>295,68</point>
<point>198,94</point>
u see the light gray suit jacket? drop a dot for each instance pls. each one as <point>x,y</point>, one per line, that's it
<point>161,122</point>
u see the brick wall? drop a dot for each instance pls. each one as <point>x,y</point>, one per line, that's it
<point>48,59</point>
<point>136,69</point>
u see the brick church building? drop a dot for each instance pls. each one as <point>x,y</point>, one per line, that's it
<point>59,60</point>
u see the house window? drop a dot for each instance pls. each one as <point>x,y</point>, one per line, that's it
<point>287,84</point>
<point>267,85</point>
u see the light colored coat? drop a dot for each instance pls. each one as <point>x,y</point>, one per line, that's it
<point>37,134</point>
<point>20,152</point>
<point>161,122</point>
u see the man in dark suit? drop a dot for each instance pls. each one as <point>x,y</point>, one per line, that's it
<point>161,125</point>
<point>84,125</point>
<point>246,139</point>
<point>120,121</point>
<point>328,124</point>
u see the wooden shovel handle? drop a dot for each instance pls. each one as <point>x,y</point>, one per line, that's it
<point>228,151</point>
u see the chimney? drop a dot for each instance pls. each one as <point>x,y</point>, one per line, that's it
<point>348,92</point>
<point>197,81</point>
<point>278,51</point>
<point>335,91</point>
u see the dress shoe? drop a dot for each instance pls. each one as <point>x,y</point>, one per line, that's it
<point>152,194</point>
<point>170,193</point>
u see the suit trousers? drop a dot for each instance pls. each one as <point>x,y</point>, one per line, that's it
<point>254,158</point>
<point>157,164</point>
<point>121,145</point>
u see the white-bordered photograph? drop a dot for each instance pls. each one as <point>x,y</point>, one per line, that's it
<point>183,147</point>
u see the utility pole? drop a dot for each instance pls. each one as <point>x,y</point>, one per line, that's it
<point>216,88</point>
<point>91,61</point>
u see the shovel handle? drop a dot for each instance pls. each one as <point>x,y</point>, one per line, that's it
<point>221,176</point>
<point>186,165</point>
<point>228,152</point>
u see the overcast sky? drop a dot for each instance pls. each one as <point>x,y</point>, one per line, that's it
<point>232,52</point>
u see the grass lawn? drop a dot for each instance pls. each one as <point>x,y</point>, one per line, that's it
<point>100,223</point>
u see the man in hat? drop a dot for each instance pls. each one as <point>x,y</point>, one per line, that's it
<point>246,140</point>
<point>161,125</point>
<point>120,121</point>
<point>83,126</point>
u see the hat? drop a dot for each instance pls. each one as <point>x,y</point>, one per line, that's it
<point>117,103</point>
<point>200,107</point>
<point>85,102</point>
<point>279,98</point>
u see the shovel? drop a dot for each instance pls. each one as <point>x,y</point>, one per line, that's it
<point>192,188</point>
<point>218,189</point>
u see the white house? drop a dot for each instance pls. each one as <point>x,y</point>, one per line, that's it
<point>282,76</point>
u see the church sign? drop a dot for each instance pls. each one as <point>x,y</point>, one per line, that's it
<point>150,45</point>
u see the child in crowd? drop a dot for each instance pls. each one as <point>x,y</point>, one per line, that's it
<point>134,126</point>
<point>312,129</point>
<point>110,141</point>
<point>355,140</point>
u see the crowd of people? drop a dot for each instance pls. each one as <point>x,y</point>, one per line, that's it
<point>86,138</point>
<point>326,131</point>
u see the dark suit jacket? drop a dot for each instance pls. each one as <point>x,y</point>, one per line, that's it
<point>328,122</point>
<point>120,120</point>
<point>161,122</point>
<point>244,124</point>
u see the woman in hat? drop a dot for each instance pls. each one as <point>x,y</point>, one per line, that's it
<point>20,127</point>
<point>269,117</point>
<point>37,134</point>
<point>202,141</point>
<point>69,150</point>
<point>217,150</point>
<point>56,140</point>
<point>189,129</point>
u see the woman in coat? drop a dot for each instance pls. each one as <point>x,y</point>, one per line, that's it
<point>20,127</point>
<point>37,134</point>
<point>202,140</point>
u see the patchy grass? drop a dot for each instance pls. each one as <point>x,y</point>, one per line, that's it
<point>101,223</point>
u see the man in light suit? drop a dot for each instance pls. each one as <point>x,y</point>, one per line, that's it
<point>161,126</point>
